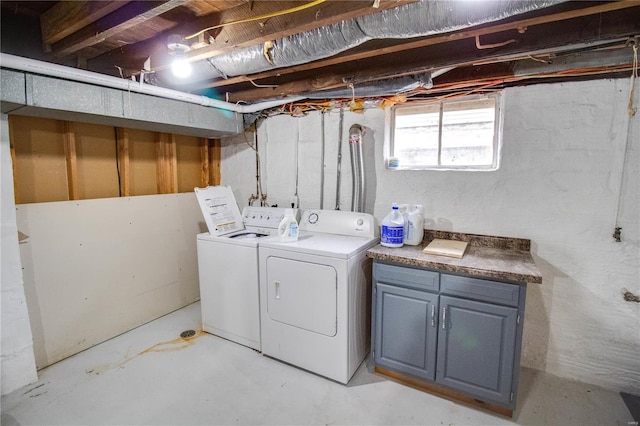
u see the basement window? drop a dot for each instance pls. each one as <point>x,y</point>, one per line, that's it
<point>457,134</point>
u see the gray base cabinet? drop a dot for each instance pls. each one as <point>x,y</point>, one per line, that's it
<point>461,333</point>
<point>405,335</point>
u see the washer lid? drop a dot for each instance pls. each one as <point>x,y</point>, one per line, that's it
<point>321,244</point>
<point>220,210</point>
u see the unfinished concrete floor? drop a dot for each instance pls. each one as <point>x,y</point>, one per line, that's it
<point>151,376</point>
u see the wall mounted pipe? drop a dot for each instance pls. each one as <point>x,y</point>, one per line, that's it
<point>357,168</point>
<point>68,73</point>
<point>339,162</point>
<point>322,160</point>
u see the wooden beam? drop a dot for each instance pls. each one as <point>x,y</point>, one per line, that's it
<point>204,163</point>
<point>167,167</point>
<point>128,17</point>
<point>69,137</point>
<point>124,172</point>
<point>67,17</point>
<point>215,162</point>
<point>358,55</point>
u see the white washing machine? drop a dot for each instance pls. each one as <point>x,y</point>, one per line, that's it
<point>315,294</point>
<point>228,264</point>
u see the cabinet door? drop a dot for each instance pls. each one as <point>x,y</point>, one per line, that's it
<point>476,348</point>
<point>406,330</point>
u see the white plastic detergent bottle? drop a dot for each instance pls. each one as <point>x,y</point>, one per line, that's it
<point>404,211</point>
<point>416,225</point>
<point>288,227</point>
<point>392,231</point>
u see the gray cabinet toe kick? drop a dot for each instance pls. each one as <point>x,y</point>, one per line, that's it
<point>455,335</point>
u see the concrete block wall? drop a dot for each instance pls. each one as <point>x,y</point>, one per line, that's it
<point>560,184</point>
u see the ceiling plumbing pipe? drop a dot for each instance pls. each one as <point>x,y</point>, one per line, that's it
<point>73,74</point>
<point>357,168</point>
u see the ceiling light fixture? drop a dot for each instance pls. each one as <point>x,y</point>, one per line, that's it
<point>177,46</point>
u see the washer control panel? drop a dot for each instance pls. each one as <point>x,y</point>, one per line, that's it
<point>263,217</point>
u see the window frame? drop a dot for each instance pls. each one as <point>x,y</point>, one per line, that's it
<point>497,135</point>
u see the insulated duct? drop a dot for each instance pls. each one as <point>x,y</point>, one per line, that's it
<point>419,19</point>
<point>379,88</point>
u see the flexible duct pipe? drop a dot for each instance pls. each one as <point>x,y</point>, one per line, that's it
<point>74,74</point>
<point>357,168</point>
<point>417,19</point>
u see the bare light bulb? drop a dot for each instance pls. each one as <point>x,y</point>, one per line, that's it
<point>181,68</point>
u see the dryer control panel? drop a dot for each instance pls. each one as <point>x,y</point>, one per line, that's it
<point>339,222</point>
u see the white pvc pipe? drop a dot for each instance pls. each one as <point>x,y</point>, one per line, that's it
<point>75,74</point>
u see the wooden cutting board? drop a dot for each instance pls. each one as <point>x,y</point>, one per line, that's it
<point>446,248</point>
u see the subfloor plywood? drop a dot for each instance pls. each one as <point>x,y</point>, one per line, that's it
<point>41,173</point>
<point>96,156</point>
<point>189,162</point>
<point>143,162</point>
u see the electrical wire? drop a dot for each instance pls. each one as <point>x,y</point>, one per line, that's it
<point>258,18</point>
<point>297,200</point>
<point>452,91</point>
<point>634,73</point>
<point>625,157</point>
<point>115,131</point>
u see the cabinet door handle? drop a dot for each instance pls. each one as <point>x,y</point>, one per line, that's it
<point>433,315</point>
<point>444,317</point>
<point>277,289</point>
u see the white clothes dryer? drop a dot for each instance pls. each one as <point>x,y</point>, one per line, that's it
<point>228,264</point>
<point>315,294</point>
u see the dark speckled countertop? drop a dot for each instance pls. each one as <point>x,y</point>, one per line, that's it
<point>486,256</point>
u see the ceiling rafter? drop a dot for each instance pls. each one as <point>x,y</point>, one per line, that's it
<point>127,17</point>
<point>246,34</point>
<point>65,18</point>
<point>117,38</point>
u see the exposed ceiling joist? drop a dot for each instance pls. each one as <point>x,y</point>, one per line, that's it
<point>116,38</point>
<point>360,54</point>
<point>128,17</point>
<point>65,18</point>
<point>228,38</point>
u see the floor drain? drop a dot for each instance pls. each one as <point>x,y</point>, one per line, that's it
<point>187,333</point>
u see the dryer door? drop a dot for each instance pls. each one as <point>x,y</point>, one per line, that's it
<point>302,294</point>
